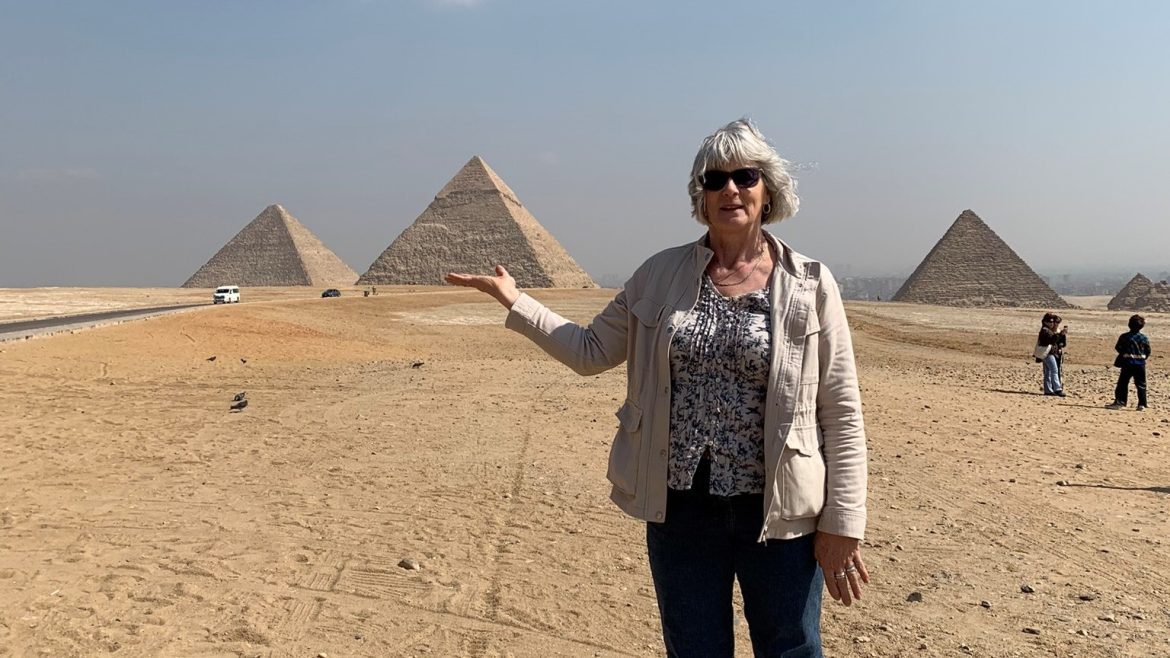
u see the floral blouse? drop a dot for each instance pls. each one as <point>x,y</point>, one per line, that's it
<point>719,359</point>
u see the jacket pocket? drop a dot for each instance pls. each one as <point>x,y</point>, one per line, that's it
<point>648,311</point>
<point>812,324</point>
<point>810,371</point>
<point>802,474</point>
<point>626,449</point>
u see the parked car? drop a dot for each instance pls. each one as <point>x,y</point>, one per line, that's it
<point>226,295</point>
<point>332,292</point>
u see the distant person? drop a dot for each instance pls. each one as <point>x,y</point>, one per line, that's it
<point>1133,348</point>
<point>1050,346</point>
<point>741,441</point>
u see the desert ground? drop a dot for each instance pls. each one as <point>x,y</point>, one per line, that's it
<point>412,479</point>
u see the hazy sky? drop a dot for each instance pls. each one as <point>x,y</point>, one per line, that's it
<point>137,137</point>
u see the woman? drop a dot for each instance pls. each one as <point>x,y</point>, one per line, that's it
<point>741,441</point>
<point>1049,350</point>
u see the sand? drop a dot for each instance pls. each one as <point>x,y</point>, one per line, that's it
<point>138,516</point>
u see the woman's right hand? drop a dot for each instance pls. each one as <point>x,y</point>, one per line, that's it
<point>501,286</point>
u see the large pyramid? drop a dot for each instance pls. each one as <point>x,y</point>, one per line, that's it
<point>273,250</point>
<point>1141,294</point>
<point>972,266</point>
<point>474,223</point>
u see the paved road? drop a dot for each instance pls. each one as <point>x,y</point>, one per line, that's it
<point>86,318</point>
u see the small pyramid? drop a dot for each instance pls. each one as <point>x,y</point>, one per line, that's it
<point>273,250</point>
<point>1141,294</point>
<point>972,266</point>
<point>475,222</point>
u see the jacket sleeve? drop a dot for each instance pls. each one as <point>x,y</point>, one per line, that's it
<point>840,419</point>
<point>1046,337</point>
<point>587,350</point>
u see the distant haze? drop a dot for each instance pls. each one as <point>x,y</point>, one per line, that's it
<point>138,137</point>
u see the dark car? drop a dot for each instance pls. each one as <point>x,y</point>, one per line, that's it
<point>332,292</point>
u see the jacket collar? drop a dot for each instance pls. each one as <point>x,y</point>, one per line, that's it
<point>792,262</point>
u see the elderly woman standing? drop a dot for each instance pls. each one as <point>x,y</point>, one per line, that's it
<point>741,442</point>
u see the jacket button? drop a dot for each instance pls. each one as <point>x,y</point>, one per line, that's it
<point>658,516</point>
<point>662,453</point>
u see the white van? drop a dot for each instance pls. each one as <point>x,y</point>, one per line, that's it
<point>226,295</point>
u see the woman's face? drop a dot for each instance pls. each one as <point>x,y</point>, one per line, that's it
<point>734,206</point>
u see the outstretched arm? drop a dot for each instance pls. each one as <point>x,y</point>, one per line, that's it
<point>501,286</point>
<point>587,350</point>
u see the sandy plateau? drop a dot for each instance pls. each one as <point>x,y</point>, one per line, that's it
<point>139,517</point>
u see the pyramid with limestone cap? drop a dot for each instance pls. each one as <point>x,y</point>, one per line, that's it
<point>1141,294</point>
<point>972,266</point>
<point>474,223</point>
<point>273,250</point>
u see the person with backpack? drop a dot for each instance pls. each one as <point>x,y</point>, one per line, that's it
<point>1049,351</point>
<point>1133,348</point>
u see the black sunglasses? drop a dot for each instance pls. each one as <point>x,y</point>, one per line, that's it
<point>714,180</point>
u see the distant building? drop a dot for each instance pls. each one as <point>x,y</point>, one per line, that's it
<point>870,288</point>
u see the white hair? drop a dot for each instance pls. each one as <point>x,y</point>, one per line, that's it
<point>740,142</point>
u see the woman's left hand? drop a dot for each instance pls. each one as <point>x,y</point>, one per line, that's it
<point>840,560</point>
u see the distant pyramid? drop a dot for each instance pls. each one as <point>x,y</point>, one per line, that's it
<point>273,250</point>
<point>1141,294</point>
<point>972,266</point>
<point>474,223</point>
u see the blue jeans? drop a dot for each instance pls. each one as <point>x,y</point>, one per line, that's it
<point>705,544</point>
<point>1052,375</point>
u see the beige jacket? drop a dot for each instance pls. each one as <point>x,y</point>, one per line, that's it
<point>814,437</point>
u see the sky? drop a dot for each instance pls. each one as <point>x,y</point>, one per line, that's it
<point>137,137</point>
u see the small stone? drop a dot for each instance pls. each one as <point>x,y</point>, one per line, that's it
<point>1027,589</point>
<point>1062,483</point>
<point>1081,466</point>
<point>1031,630</point>
<point>1088,596</point>
<point>322,655</point>
<point>922,646</point>
<point>914,597</point>
<point>985,604</point>
<point>861,639</point>
<point>410,564</point>
<point>1109,618</point>
<point>1082,632</point>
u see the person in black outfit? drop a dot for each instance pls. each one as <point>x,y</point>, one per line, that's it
<point>1133,348</point>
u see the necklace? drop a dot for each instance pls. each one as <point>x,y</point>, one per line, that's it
<point>755,266</point>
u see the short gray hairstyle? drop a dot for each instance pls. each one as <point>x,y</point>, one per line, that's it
<point>740,142</point>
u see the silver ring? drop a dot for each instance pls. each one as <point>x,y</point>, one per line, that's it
<point>851,569</point>
<point>840,575</point>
